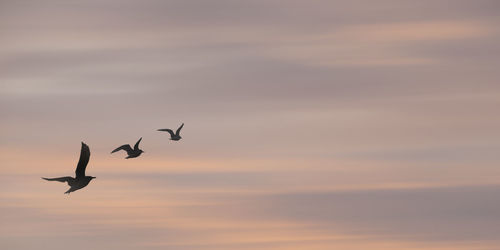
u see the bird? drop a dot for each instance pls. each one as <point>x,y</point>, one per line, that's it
<point>132,153</point>
<point>81,179</point>
<point>176,136</point>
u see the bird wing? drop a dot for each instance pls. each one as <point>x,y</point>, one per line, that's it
<point>168,130</point>
<point>125,147</point>
<point>60,179</point>
<point>136,146</point>
<point>179,130</point>
<point>84,160</point>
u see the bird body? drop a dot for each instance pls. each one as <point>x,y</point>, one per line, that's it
<point>131,153</point>
<point>173,136</point>
<point>81,180</point>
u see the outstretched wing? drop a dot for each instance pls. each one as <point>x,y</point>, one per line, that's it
<point>136,146</point>
<point>125,147</point>
<point>168,130</point>
<point>179,130</point>
<point>84,160</point>
<point>60,179</point>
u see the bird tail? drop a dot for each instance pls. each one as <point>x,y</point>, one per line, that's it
<point>71,189</point>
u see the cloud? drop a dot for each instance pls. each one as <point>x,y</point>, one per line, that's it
<point>452,214</point>
<point>283,103</point>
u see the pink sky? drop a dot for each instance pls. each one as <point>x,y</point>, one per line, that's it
<point>309,124</point>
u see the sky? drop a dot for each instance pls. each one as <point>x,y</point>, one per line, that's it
<point>308,124</point>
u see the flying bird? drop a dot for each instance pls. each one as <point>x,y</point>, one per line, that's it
<point>132,153</point>
<point>81,180</point>
<point>176,136</point>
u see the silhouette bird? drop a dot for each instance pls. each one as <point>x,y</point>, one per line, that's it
<point>132,153</point>
<point>81,180</point>
<point>176,136</point>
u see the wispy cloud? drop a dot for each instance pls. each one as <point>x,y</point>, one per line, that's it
<point>309,124</point>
